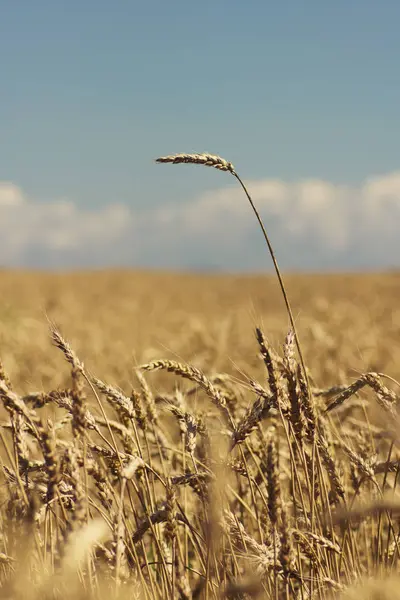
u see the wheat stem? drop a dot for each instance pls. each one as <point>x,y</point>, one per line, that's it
<point>217,162</point>
<point>278,274</point>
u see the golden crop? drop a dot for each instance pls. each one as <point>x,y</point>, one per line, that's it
<point>159,439</point>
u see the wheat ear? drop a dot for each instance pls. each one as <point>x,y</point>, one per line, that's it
<point>207,160</point>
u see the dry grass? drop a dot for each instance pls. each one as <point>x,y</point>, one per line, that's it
<point>211,471</point>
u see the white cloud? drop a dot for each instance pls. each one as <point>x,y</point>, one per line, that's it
<point>10,195</point>
<point>312,223</point>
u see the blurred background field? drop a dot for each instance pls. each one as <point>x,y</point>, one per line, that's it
<point>114,320</point>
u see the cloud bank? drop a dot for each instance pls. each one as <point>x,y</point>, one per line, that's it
<point>313,224</point>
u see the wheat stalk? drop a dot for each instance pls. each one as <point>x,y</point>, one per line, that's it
<point>211,160</point>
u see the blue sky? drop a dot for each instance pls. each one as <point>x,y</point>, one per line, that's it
<point>93,91</point>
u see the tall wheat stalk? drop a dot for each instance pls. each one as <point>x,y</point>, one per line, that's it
<point>211,160</point>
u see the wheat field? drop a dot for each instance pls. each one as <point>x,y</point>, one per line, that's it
<point>160,439</point>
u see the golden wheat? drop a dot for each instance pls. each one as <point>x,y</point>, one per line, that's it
<point>207,160</point>
<point>116,485</point>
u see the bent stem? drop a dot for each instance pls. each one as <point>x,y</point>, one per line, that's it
<point>289,311</point>
<point>278,273</point>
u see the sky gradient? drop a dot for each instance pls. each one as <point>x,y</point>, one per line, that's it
<point>302,97</point>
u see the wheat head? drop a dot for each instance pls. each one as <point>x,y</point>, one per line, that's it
<point>208,160</point>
